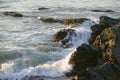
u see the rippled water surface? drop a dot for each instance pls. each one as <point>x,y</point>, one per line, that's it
<point>26,47</point>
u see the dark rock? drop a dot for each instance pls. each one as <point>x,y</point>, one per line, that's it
<point>104,72</point>
<point>105,22</point>
<point>64,36</point>
<point>35,78</point>
<point>85,56</point>
<point>42,8</point>
<point>108,40</point>
<point>96,10</point>
<point>14,14</point>
<point>51,20</point>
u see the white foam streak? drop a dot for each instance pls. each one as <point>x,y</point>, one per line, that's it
<point>52,69</point>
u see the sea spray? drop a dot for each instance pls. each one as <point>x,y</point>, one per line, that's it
<point>51,68</point>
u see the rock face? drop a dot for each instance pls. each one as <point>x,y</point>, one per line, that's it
<point>85,56</point>
<point>64,36</point>
<point>104,63</point>
<point>14,14</point>
<point>105,22</point>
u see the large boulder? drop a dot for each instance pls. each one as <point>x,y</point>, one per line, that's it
<point>105,22</point>
<point>14,14</point>
<point>109,43</point>
<point>64,36</point>
<point>85,56</point>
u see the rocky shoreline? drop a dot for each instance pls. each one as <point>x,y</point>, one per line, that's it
<point>100,59</point>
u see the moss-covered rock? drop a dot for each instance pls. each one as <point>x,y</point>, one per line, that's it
<point>14,14</point>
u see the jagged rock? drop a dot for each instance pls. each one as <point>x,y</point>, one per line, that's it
<point>64,36</point>
<point>96,10</point>
<point>104,22</point>
<point>109,42</point>
<point>14,14</point>
<point>85,56</point>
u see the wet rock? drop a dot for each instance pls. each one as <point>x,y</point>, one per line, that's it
<point>64,21</point>
<point>85,56</point>
<point>105,72</point>
<point>43,8</point>
<point>109,43</point>
<point>105,22</point>
<point>14,14</point>
<point>64,36</point>
<point>50,20</point>
<point>74,21</point>
<point>97,10</point>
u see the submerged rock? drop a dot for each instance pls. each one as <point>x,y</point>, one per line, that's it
<point>97,10</point>
<point>64,36</point>
<point>42,8</point>
<point>65,21</point>
<point>74,21</point>
<point>14,14</point>
<point>50,20</point>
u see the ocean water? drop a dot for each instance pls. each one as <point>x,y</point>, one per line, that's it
<point>26,47</point>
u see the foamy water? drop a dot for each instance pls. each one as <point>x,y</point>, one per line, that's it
<point>26,47</point>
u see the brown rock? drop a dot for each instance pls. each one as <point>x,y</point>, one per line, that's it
<point>65,21</point>
<point>14,14</point>
<point>105,22</point>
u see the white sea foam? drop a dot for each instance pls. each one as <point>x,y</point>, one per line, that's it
<point>49,69</point>
<point>25,43</point>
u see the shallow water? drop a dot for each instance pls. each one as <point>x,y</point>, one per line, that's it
<point>26,47</point>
